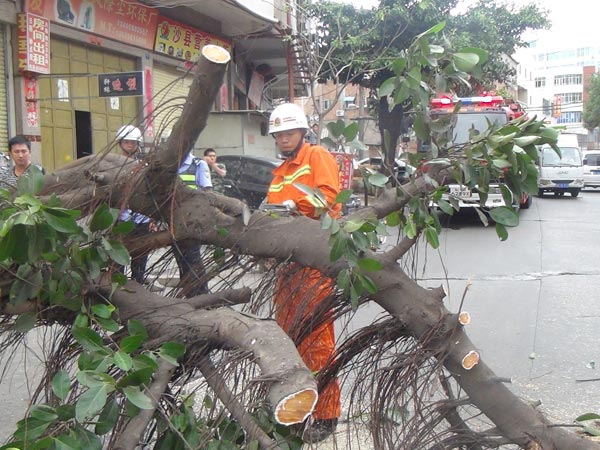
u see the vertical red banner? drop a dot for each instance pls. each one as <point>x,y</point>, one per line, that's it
<point>148,103</point>
<point>31,103</point>
<point>33,43</point>
<point>344,161</point>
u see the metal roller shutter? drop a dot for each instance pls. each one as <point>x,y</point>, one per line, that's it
<point>171,87</point>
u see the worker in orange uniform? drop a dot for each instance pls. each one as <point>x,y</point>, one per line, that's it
<point>301,292</point>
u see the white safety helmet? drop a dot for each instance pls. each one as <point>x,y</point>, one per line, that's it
<point>287,116</point>
<point>130,133</point>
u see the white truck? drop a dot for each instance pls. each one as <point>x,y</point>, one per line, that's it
<point>561,173</point>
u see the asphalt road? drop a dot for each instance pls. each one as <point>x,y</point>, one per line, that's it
<point>532,298</point>
<point>532,301</point>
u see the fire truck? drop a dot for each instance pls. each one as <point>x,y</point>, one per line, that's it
<point>476,113</point>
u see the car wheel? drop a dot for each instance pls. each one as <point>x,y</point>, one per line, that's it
<point>540,193</point>
<point>527,203</point>
<point>574,192</point>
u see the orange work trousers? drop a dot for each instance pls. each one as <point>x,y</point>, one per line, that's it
<point>298,295</point>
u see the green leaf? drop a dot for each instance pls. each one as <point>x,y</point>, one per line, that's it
<point>103,218</point>
<point>501,232</point>
<point>60,221</point>
<point>524,141</point>
<point>326,221</point>
<point>353,225</point>
<point>431,234</point>
<point>67,442</point>
<point>587,416</point>
<point>336,129</point>
<point>88,439</point>
<point>505,215</point>
<point>122,360</point>
<point>343,196</point>
<point>108,418</point>
<point>351,131</point>
<point>137,397</point>
<point>118,252</point>
<point>369,264</point>
<point>398,67</point>
<point>433,30</point>
<point>481,53</point>
<point>138,378</point>
<point>88,338</point>
<point>378,179</point>
<point>338,246</point>
<point>30,428</point>
<point>43,412</point>
<point>343,280</point>
<point>171,352</point>
<point>91,402</point>
<point>30,182</point>
<point>25,322</point>
<point>328,143</point>
<point>108,324</point>
<point>8,244</point>
<point>507,195</point>
<point>61,384</point>
<point>501,163</point>
<point>465,62</point>
<point>410,228</point>
<point>387,87</point>
<point>445,206</point>
<point>92,378</point>
<point>367,284</point>
<point>393,219</point>
<point>102,310</point>
<point>135,327</point>
<point>130,344</point>
<point>65,412</point>
<point>123,227</point>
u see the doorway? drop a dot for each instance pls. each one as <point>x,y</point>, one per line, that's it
<point>83,133</point>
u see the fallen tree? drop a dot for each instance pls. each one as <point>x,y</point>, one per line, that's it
<point>122,355</point>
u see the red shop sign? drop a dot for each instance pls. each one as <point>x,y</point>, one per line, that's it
<point>34,43</point>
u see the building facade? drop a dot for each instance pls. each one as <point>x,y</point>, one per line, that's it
<point>76,71</point>
<point>555,76</point>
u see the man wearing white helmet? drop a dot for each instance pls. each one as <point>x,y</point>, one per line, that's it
<point>130,140</point>
<point>301,293</point>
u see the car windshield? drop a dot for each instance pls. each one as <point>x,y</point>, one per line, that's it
<point>593,159</point>
<point>569,157</point>
<point>465,122</point>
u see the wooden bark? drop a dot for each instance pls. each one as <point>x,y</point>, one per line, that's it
<point>156,191</point>
<point>292,387</point>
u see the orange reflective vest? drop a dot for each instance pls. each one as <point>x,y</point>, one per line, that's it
<point>299,292</point>
<point>313,166</point>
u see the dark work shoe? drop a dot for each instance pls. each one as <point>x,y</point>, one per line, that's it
<point>320,430</point>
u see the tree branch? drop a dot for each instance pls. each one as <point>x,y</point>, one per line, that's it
<point>292,389</point>
<point>217,383</point>
<point>131,435</point>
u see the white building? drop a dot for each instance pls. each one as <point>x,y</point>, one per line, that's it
<point>554,75</point>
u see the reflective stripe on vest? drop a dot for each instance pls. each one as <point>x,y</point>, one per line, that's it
<point>188,179</point>
<point>289,179</point>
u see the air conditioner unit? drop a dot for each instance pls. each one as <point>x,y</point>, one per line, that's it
<point>339,113</point>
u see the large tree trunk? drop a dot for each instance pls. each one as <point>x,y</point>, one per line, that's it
<point>155,190</point>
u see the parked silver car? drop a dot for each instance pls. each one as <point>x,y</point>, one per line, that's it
<point>591,168</point>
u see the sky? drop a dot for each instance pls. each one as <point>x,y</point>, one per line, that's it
<point>572,20</point>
